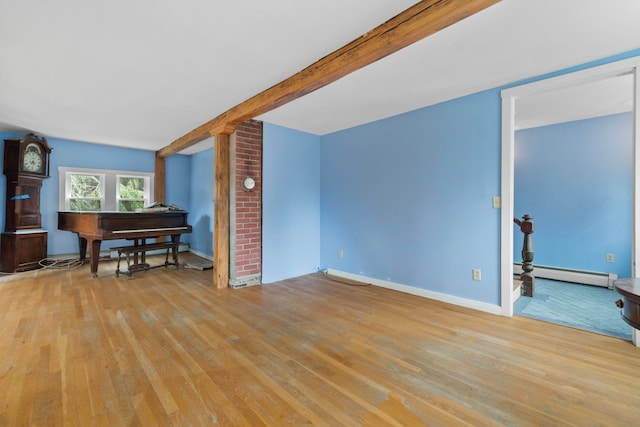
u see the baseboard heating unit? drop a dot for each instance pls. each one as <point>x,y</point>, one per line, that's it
<point>575,276</point>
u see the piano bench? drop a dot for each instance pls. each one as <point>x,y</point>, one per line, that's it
<point>142,249</point>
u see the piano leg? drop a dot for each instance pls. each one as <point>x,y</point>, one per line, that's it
<point>94,256</point>
<point>82,244</point>
<point>175,238</point>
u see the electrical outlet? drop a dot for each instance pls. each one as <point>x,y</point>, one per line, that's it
<point>497,202</point>
<point>611,258</point>
<point>477,275</point>
<point>340,253</point>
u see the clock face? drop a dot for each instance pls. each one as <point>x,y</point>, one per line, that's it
<point>249,183</point>
<point>32,159</point>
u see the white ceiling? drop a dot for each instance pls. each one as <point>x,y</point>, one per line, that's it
<point>602,97</point>
<point>142,73</point>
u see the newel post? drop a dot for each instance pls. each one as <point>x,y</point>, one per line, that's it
<point>527,277</point>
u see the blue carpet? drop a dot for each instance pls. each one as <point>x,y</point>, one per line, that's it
<point>591,308</point>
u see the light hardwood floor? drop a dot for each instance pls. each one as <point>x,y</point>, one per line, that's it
<point>166,349</point>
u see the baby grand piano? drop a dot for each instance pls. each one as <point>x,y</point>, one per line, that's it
<point>94,227</point>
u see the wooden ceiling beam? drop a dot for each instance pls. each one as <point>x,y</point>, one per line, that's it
<point>419,21</point>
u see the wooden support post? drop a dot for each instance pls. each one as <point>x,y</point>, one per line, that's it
<point>221,194</point>
<point>160,182</point>
<point>160,185</point>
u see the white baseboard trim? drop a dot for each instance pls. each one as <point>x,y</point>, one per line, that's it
<point>200,254</point>
<point>517,292</point>
<point>574,276</point>
<point>449,299</point>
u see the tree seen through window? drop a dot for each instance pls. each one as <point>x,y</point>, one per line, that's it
<point>86,192</point>
<point>131,193</point>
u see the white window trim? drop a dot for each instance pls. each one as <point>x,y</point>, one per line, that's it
<point>110,185</point>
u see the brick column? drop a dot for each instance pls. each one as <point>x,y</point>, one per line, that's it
<point>246,206</point>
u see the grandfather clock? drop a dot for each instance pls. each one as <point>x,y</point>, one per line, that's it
<point>24,243</point>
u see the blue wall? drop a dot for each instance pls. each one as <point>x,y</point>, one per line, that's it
<point>95,156</point>
<point>177,189</point>
<point>576,180</point>
<point>201,203</point>
<point>409,199</point>
<point>291,203</point>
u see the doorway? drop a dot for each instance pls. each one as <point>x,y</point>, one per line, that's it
<point>550,88</point>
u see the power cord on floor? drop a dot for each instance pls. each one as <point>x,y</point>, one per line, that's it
<point>343,281</point>
<point>51,263</point>
<point>61,264</point>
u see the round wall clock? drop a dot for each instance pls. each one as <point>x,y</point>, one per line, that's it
<point>249,183</point>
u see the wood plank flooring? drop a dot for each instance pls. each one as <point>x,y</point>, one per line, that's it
<point>166,349</point>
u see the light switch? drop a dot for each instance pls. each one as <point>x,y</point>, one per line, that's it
<point>497,202</point>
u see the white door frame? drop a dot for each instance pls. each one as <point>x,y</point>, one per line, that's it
<point>509,98</point>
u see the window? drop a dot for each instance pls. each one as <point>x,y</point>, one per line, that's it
<point>104,190</point>
<point>132,192</point>
<point>86,191</point>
